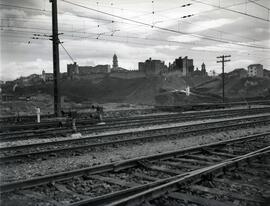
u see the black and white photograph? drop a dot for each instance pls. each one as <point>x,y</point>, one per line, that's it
<point>135,103</point>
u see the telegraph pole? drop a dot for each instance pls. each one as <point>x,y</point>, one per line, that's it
<point>223,60</point>
<point>56,72</point>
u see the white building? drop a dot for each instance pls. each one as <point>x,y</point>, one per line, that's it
<point>255,70</point>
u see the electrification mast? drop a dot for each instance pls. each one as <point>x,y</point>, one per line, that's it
<point>56,70</point>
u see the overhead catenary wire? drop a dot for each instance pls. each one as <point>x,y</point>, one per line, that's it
<point>231,10</point>
<point>25,7</point>
<point>133,43</point>
<point>165,29</point>
<point>71,34</point>
<point>136,43</point>
<point>152,24</point>
<point>149,42</point>
<point>258,4</point>
<point>45,20</point>
<point>180,42</point>
<point>69,53</point>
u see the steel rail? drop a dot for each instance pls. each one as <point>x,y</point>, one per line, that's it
<point>41,125</point>
<point>120,165</point>
<point>137,198</point>
<point>101,128</point>
<point>117,123</point>
<point>8,158</point>
<point>260,102</point>
<point>266,118</point>
<point>112,123</point>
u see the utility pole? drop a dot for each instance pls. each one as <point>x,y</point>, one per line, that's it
<point>56,70</point>
<point>223,60</point>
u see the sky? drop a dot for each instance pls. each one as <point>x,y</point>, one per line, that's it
<point>135,30</point>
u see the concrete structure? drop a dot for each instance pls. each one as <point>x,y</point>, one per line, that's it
<point>183,65</point>
<point>152,67</point>
<point>255,70</point>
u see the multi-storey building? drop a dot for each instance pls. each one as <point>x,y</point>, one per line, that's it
<point>255,70</point>
<point>183,65</point>
<point>150,67</point>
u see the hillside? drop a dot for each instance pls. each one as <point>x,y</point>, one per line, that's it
<point>237,88</point>
<point>159,90</point>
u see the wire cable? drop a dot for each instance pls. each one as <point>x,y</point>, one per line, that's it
<point>231,10</point>
<point>254,2</point>
<point>66,51</point>
<point>109,21</point>
<point>165,29</point>
<point>24,7</point>
<point>71,34</point>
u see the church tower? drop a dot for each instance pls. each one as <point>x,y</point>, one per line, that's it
<point>203,70</point>
<point>115,62</point>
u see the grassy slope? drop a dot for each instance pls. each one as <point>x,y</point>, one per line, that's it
<point>236,87</point>
<point>154,90</point>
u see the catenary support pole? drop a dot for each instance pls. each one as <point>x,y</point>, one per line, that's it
<point>56,69</point>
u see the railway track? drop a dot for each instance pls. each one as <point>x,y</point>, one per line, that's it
<point>32,118</point>
<point>122,123</point>
<point>134,180</point>
<point>243,180</point>
<point>77,146</point>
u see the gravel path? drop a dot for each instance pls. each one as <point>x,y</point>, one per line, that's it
<point>22,171</point>
<point>142,128</point>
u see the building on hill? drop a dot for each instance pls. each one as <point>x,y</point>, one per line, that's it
<point>183,65</point>
<point>201,72</point>
<point>266,73</point>
<point>197,72</point>
<point>239,72</point>
<point>98,69</point>
<point>152,67</point>
<point>29,80</point>
<point>75,71</point>
<point>72,70</point>
<point>46,76</point>
<point>255,70</point>
<point>119,69</point>
<point>115,62</point>
<point>115,66</point>
<point>203,69</point>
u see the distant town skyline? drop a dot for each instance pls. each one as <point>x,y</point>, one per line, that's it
<point>92,37</point>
